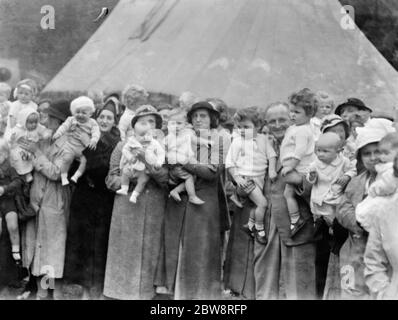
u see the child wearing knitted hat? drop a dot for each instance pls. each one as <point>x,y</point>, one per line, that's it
<point>81,132</point>
<point>29,129</point>
<point>25,92</point>
<point>141,139</point>
<point>328,175</point>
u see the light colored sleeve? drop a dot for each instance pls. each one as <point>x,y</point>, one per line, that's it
<point>233,153</point>
<point>345,213</point>
<point>376,263</point>
<point>301,144</point>
<point>113,180</point>
<point>160,154</point>
<point>366,210</point>
<point>350,168</point>
<point>50,169</point>
<point>12,115</point>
<point>95,131</point>
<point>124,125</point>
<point>64,127</point>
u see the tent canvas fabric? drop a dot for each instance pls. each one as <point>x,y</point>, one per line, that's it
<point>247,52</point>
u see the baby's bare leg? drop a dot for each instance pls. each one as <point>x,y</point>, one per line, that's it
<point>82,168</point>
<point>13,230</point>
<point>175,193</point>
<point>190,187</point>
<point>292,205</point>
<point>261,202</point>
<point>142,180</point>
<point>67,161</point>
<point>124,181</point>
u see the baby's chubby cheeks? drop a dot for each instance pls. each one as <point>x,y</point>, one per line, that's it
<point>328,147</point>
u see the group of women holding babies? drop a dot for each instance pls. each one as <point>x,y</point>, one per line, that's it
<point>134,202</point>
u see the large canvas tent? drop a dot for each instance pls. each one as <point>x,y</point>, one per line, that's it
<point>247,52</point>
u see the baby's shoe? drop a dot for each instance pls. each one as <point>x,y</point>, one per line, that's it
<point>134,196</point>
<point>64,179</point>
<point>17,257</point>
<point>261,237</point>
<point>296,227</point>
<point>123,190</point>
<point>196,200</point>
<point>175,195</point>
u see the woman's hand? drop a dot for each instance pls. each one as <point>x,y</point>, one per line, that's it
<point>1,191</point>
<point>246,190</point>
<point>241,182</point>
<point>84,138</point>
<point>343,181</point>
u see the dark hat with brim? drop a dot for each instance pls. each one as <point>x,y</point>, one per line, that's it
<point>333,120</point>
<point>203,105</point>
<point>59,110</point>
<point>147,110</point>
<point>354,102</point>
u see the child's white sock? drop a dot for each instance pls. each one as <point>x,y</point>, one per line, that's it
<point>15,252</point>
<point>76,176</point>
<point>28,177</point>
<point>124,189</point>
<point>294,217</point>
<point>134,197</point>
<point>64,179</point>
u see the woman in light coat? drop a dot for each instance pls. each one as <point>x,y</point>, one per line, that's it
<point>352,252</point>
<point>44,237</point>
<point>381,255</point>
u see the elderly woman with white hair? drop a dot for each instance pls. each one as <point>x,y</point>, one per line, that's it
<point>133,96</point>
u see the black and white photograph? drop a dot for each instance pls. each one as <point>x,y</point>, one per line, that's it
<point>287,188</point>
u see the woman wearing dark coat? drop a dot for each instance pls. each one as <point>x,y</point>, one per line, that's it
<point>135,233</point>
<point>91,211</point>
<point>192,233</point>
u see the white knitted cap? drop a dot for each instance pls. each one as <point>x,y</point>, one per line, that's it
<point>80,102</point>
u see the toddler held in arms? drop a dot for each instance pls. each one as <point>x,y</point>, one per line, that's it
<point>142,139</point>
<point>81,132</point>
<point>297,151</point>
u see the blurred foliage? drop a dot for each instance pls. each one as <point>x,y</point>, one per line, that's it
<point>378,20</point>
<point>44,52</point>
